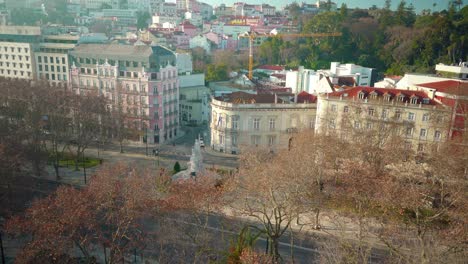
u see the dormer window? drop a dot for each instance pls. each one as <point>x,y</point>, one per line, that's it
<point>414,99</point>
<point>425,100</point>
<point>373,95</point>
<point>401,97</point>
<point>361,95</point>
<point>387,97</point>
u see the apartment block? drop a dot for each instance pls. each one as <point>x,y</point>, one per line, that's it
<point>17,45</point>
<point>419,119</point>
<point>52,60</point>
<point>142,79</point>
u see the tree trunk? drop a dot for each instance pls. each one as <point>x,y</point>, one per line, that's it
<point>317,223</point>
<point>275,248</point>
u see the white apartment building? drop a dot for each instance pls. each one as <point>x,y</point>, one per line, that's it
<point>17,44</point>
<point>309,80</point>
<point>51,58</point>
<point>16,60</point>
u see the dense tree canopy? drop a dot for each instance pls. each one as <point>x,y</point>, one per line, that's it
<point>391,41</point>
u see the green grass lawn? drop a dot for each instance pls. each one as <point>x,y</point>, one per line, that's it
<point>88,163</point>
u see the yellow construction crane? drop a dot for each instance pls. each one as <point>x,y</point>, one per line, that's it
<point>252,35</point>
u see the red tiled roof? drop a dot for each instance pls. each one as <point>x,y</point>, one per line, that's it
<point>449,86</point>
<point>279,75</point>
<point>188,25</point>
<point>271,67</point>
<point>305,97</point>
<point>408,94</point>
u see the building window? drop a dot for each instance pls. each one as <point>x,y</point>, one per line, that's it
<point>425,117</point>
<point>346,109</point>
<point>409,132</point>
<point>234,140</point>
<point>255,140</point>
<point>312,123</point>
<point>256,123</point>
<point>411,116</point>
<point>39,59</point>
<point>384,114</point>
<point>437,135</point>
<point>371,111</point>
<point>361,95</point>
<point>401,97</point>
<point>221,139</point>
<point>271,140</point>
<point>235,122</point>
<point>387,97</point>
<point>397,115</point>
<point>369,126</point>
<point>332,124</point>
<point>272,124</point>
<point>333,108</point>
<point>414,100</point>
<point>423,133</point>
<point>420,147</point>
<point>357,125</point>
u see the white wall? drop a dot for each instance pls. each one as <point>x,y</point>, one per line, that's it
<point>192,80</point>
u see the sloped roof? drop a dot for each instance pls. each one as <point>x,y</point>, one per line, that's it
<point>246,98</point>
<point>305,97</point>
<point>450,86</point>
<point>380,92</point>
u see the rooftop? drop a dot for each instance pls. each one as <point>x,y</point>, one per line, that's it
<point>450,87</point>
<point>246,98</point>
<point>271,67</point>
<point>392,94</point>
<point>112,50</point>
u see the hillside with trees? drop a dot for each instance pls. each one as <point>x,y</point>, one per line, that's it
<point>393,41</point>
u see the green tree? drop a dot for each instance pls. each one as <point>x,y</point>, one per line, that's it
<point>177,167</point>
<point>142,20</point>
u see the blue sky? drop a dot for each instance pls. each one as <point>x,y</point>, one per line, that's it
<point>418,4</point>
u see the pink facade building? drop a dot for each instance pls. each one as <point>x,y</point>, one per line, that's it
<point>140,79</point>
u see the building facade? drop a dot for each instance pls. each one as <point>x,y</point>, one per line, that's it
<point>240,120</point>
<point>419,119</point>
<point>52,61</point>
<point>140,78</point>
<point>17,46</point>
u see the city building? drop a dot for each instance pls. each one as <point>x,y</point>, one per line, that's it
<point>52,61</point>
<point>223,10</point>
<point>454,71</point>
<point>200,41</point>
<point>241,120</point>
<point>206,11</point>
<point>17,45</point>
<point>141,78</point>
<point>339,74</point>
<point>121,17</point>
<point>140,5</point>
<point>419,118</point>
<point>194,99</point>
<point>20,4</point>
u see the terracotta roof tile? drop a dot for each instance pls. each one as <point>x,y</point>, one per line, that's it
<point>449,86</point>
<point>380,92</point>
